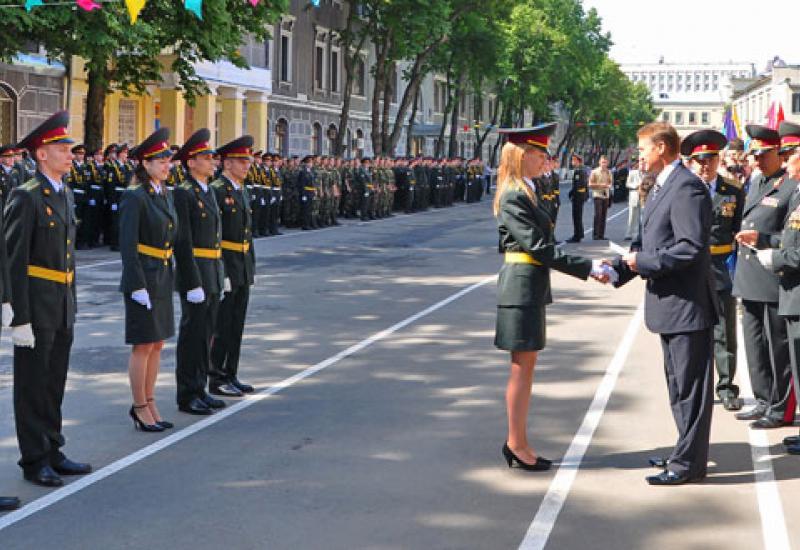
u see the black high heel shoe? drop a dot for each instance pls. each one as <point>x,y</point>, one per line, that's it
<point>540,465</point>
<point>163,423</point>
<point>138,424</point>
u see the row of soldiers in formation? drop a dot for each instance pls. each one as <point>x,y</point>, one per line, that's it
<point>310,193</point>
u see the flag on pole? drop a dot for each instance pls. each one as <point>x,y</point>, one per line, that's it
<point>87,5</point>
<point>736,123</point>
<point>195,6</point>
<point>778,116</point>
<point>30,4</point>
<point>729,125</point>
<point>134,8</point>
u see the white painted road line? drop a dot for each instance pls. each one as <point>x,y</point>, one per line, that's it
<point>97,476</point>
<point>545,519</point>
<point>773,522</point>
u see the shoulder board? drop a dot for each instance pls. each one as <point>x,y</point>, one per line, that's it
<point>730,181</point>
<point>217,183</point>
<point>186,186</point>
<point>30,185</point>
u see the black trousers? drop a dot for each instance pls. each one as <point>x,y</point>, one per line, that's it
<point>687,365</point>
<point>767,349</point>
<point>366,206</point>
<point>40,374</point>
<point>725,345</point>
<point>305,211</point>
<point>227,342</point>
<point>194,347</point>
<point>577,217</point>
<point>275,213</point>
<point>600,214</point>
<point>793,331</point>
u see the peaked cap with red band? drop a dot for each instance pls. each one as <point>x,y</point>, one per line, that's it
<point>703,144</point>
<point>197,144</point>
<point>238,148</point>
<point>536,136</point>
<point>154,147</point>
<point>790,136</point>
<point>52,130</point>
<point>763,139</point>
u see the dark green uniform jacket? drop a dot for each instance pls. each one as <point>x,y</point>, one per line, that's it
<point>237,223</point>
<point>728,205</point>
<point>40,233</point>
<point>786,258</point>
<point>199,236</point>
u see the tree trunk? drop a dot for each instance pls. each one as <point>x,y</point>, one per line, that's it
<point>339,146</point>
<point>388,88</point>
<point>95,107</point>
<point>381,51</point>
<point>411,120</point>
<point>452,149</point>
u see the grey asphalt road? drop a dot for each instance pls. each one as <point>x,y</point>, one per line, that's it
<point>396,442</point>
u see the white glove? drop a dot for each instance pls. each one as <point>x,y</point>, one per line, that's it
<point>226,285</point>
<point>8,314</point>
<point>142,297</point>
<point>600,269</point>
<point>22,336</point>
<point>196,295</point>
<point>765,257</point>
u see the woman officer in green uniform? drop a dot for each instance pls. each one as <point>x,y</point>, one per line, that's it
<point>148,228</point>
<point>528,245</point>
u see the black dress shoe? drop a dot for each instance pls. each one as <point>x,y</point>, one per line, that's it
<point>69,468</point>
<point>241,386</point>
<point>791,440</point>
<point>195,406</point>
<point>668,477</point>
<point>768,423</point>
<point>541,464</point>
<point>752,414</point>
<point>793,449</point>
<point>212,402</point>
<point>9,503</point>
<point>658,462</point>
<point>228,390</point>
<point>730,403</point>
<point>45,476</point>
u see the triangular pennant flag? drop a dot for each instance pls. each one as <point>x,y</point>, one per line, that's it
<point>134,7</point>
<point>254,3</point>
<point>87,5</point>
<point>194,6</point>
<point>30,4</point>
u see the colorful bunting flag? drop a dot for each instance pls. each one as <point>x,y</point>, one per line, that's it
<point>87,5</point>
<point>134,8</point>
<point>194,6</point>
<point>254,3</point>
<point>30,4</point>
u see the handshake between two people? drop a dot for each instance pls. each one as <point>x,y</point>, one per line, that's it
<point>617,271</point>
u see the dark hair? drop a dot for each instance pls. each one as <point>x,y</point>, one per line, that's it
<point>140,175</point>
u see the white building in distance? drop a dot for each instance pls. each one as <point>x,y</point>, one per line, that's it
<point>691,96</point>
<point>778,85</point>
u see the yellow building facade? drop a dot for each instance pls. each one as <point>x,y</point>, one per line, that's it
<point>237,104</point>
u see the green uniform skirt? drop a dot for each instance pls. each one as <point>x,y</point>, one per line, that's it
<point>520,328</point>
<point>147,326</point>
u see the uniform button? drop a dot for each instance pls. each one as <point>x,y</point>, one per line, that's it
<point>166,262</point>
<point>166,244</point>
<point>170,226</point>
<point>746,256</point>
<point>69,241</point>
<point>68,255</point>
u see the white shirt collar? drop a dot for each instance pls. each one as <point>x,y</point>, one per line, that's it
<point>530,183</point>
<point>665,173</point>
<point>57,185</point>
<point>235,185</point>
<point>156,186</point>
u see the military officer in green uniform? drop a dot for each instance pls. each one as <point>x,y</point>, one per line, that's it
<point>238,256</point>
<point>577,195</point>
<point>275,180</point>
<point>76,181</point>
<point>40,235</point>
<point>199,277</point>
<point>6,166</point>
<point>115,184</point>
<point>528,247</point>
<point>95,177</point>
<point>727,201</point>
<point>365,190</point>
<point>765,338</point>
<point>24,169</point>
<point>307,191</point>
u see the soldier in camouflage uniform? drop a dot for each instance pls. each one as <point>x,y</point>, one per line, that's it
<point>336,189</point>
<point>24,169</point>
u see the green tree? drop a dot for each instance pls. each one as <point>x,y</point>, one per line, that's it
<point>126,57</point>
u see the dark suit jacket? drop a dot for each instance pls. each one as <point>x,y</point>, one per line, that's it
<point>674,257</point>
<point>528,227</point>
<point>150,219</point>
<point>237,221</point>
<point>40,231</point>
<point>199,226</point>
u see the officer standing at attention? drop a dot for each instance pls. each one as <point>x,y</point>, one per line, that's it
<point>727,202</point>
<point>239,259</point>
<point>307,191</point>
<point>578,197</point>
<point>765,339</point>
<point>199,276</point>
<point>6,165</point>
<point>40,234</point>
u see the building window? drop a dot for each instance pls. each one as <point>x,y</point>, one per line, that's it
<point>267,54</point>
<point>678,117</point>
<point>796,103</point>
<point>127,121</point>
<point>704,118</point>
<point>665,116</point>
<point>692,118</point>
<point>359,143</point>
<point>331,135</point>
<point>286,57</point>
<point>334,70</point>
<point>282,137</point>
<point>8,115</point>
<point>316,139</point>
<point>319,65</point>
<point>360,78</point>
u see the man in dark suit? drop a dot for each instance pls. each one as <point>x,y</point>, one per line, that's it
<point>40,232</point>
<point>727,202</point>
<point>199,274</point>
<point>680,301</point>
<point>239,260</point>
<point>765,339</point>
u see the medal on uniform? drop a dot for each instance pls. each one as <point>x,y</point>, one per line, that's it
<point>48,210</point>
